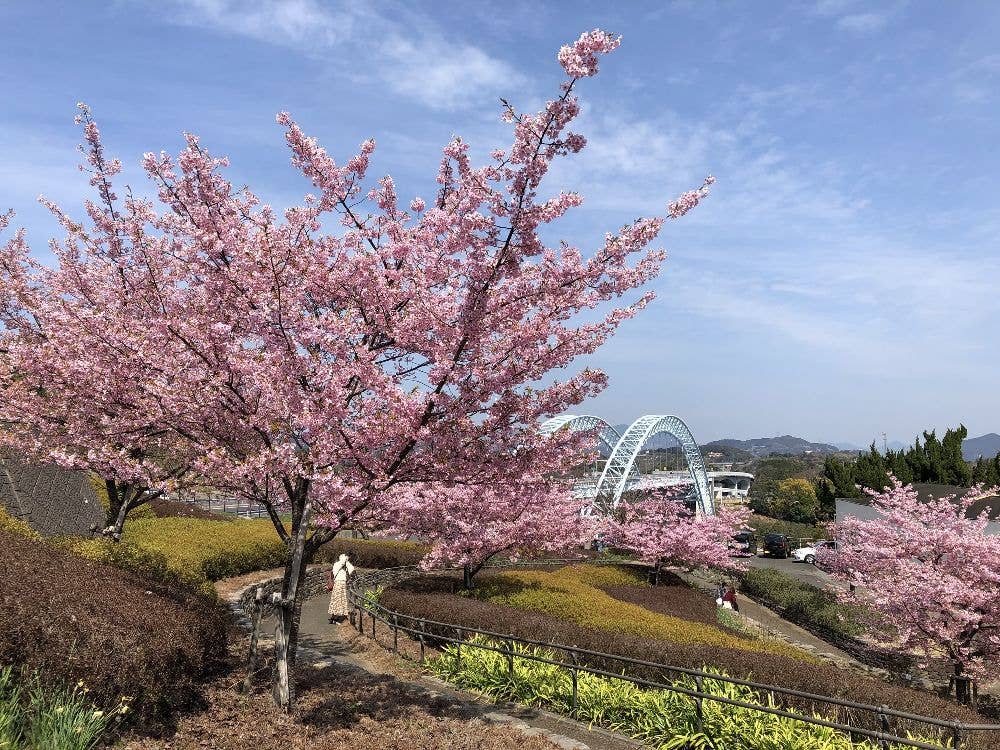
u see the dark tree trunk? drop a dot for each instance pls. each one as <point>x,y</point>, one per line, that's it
<point>467,577</point>
<point>963,686</point>
<point>122,499</point>
<point>288,609</point>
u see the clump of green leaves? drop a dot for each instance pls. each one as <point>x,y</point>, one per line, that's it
<point>35,716</point>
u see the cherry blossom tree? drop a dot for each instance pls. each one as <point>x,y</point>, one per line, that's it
<point>326,374</point>
<point>468,526</point>
<point>71,378</point>
<point>929,576</point>
<point>658,527</point>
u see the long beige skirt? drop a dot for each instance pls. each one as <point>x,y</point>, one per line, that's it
<point>338,600</point>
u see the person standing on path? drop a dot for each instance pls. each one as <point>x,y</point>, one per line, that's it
<point>730,596</point>
<point>336,584</point>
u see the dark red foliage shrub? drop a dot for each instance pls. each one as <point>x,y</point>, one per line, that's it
<point>372,553</point>
<point>677,600</point>
<point>164,508</point>
<point>73,619</point>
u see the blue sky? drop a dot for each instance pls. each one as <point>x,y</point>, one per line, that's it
<point>840,282</point>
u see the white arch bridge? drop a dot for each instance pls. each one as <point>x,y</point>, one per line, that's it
<point>619,472</point>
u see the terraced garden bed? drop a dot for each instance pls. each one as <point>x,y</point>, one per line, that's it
<point>613,611</point>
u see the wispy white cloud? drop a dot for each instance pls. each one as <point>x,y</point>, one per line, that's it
<point>283,22</point>
<point>975,82</point>
<point>440,73</point>
<point>857,17</point>
<point>406,53</point>
<point>863,23</point>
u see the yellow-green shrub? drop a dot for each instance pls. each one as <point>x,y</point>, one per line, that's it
<point>145,563</point>
<point>372,553</point>
<point>572,594</point>
<point>16,525</point>
<point>208,549</point>
<point>192,552</point>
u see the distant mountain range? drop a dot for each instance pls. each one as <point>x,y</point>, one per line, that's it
<point>766,446</point>
<point>987,445</point>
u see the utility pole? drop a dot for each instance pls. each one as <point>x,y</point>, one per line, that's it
<point>885,445</point>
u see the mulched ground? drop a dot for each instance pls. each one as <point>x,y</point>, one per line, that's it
<point>339,707</point>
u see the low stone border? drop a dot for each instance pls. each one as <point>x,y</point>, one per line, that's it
<point>314,583</point>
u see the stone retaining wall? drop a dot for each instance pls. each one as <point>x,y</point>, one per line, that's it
<point>52,499</point>
<point>241,603</point>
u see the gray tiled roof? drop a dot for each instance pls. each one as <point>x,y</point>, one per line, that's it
<point>52,499</point>
<point>926,492</point>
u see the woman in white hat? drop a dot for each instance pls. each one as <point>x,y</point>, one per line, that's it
<point>336,583</point>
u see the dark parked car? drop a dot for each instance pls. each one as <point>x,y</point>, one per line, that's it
<point>777,545</point>
<point>745,544</point>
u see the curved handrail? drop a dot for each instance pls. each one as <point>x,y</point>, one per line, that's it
<point>360,602</point>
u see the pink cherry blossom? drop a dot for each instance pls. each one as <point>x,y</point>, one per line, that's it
<point>378,372</point>
<point>659,529</point>
<point>468,526</point>
<point>928,575</point>
<point>689,200</point>
<point>579,59</point>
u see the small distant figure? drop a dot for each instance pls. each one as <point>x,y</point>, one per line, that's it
<point>336,584</point>
<point>729,599</point>
<point>720,590</point>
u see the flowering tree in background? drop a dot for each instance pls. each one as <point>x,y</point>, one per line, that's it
<point>327,374</point>
<point>928,572</point>
<point>468,526</point>
<point>660,530</point>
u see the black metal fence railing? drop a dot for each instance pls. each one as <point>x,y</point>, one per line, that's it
<point>881,724</point>
<point>222,504</point>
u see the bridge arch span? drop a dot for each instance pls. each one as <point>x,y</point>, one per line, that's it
<point>579,423</point>
<point>620,467</point>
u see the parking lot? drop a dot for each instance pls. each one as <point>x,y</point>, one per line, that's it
<point>805,573</point>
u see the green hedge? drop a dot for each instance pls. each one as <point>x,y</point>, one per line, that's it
<point>657,717</point>
<point>802,603</point>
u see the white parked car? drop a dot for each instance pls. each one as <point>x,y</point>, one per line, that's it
<point>808,554</point>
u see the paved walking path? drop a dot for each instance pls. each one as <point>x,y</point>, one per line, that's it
<point>773,622</point>
<point>322,645</point>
